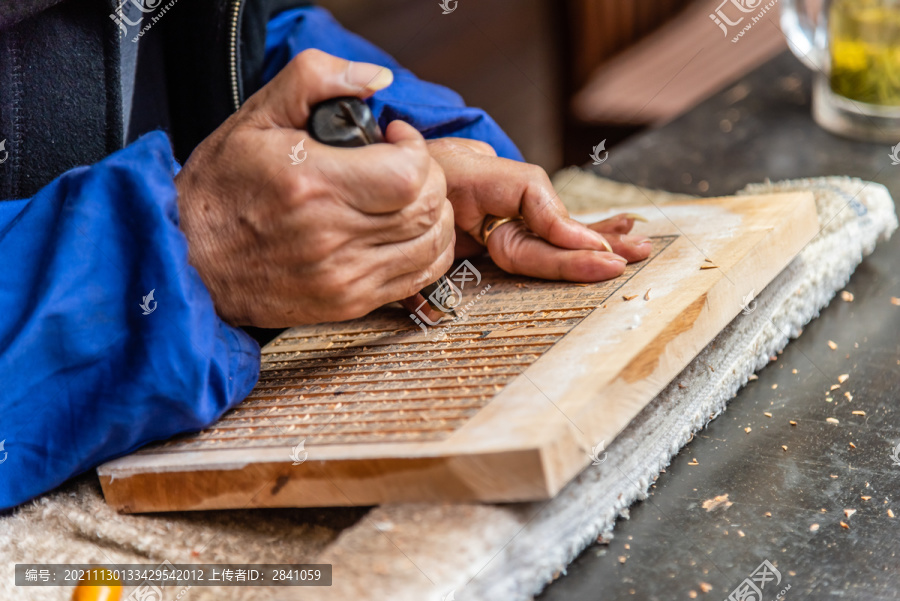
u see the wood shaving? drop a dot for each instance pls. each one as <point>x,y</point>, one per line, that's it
<point>709,267</point>
<point>774,386</point>
<point>784,447</point>
<point>852,446</point>
<point>835,386</point>
<point>767,414</point>
<point>847,296</point>
<point>863,413</point>
<point>792,422</point>
<point>813,527</point>
<point>692,594</point>
<point>849,512</point>
<point>629,297</point>
<point>694,462</point>
<point>832,420</point>
<point>793,371</point>
<point>741,533</point>
<point>748,429</point>
<point>890,513</point>
<point>753,377</point>
<point>832,476</point>
<point>895,301</point>
<point>844,525</point>
<point>708,260</point>
<point>832,345</point>
<point>720,501</point>
<point>647,295</point>
<point>849,396</point>
<point>843,378</point>
<point>622,559</point>
<point>768,514</point>
<point>705,587</point>
<point>865,497</point>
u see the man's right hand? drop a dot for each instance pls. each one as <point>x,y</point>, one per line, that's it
<point>340,234</point>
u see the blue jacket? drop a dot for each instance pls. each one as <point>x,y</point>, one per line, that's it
<point>109,339</point>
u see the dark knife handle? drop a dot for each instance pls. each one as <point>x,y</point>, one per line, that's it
<point>346,122</point>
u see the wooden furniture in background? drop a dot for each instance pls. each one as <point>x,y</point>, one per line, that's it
<point>507,407</point>
<point>643,63</point>
<point>598,30</point>
<point>674,69</point>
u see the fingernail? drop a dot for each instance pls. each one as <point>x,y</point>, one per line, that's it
<point>369,76</point>
<point>636,240</point>
<point>636,217</point>
<point>616,257</point>
<point>602,241</point>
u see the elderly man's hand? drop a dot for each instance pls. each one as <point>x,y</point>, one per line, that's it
<point>547,243</point>
<point>347,230</point>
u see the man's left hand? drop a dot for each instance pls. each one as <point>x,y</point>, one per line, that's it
<point>546,243</point>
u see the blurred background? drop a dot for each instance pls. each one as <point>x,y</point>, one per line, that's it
<point>561,75</point>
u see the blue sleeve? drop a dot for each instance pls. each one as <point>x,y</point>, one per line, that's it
<point>434,110</point>
<point>91,367</point>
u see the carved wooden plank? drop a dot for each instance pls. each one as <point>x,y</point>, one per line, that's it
<point>504,404</point>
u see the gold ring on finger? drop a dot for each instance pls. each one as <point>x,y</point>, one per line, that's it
<point>492,222</point>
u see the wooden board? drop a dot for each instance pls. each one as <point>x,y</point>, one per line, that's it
<point>503,405</point>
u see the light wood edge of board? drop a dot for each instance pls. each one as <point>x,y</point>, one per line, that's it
<point>540,471</point>
<point>520,474</point>
<point>722,303</point>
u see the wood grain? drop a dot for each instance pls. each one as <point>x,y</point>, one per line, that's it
<point>505,407</point>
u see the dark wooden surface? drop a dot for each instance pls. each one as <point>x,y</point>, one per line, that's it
<point>671,544</point>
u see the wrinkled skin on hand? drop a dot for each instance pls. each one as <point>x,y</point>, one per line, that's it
<point>330,239</point>
<point>547,243</point>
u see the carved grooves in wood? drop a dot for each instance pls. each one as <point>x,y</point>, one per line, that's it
<point>380,379</point>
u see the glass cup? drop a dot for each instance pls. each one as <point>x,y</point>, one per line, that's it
<point>854,48</point>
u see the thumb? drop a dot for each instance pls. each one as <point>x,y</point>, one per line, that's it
<point>409,141</point>
<point>401,132</point>
<point>313,76</point>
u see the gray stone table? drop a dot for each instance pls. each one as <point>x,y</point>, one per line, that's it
<point>787,505</point>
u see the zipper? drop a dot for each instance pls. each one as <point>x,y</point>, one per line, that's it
<point>233,53</point>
